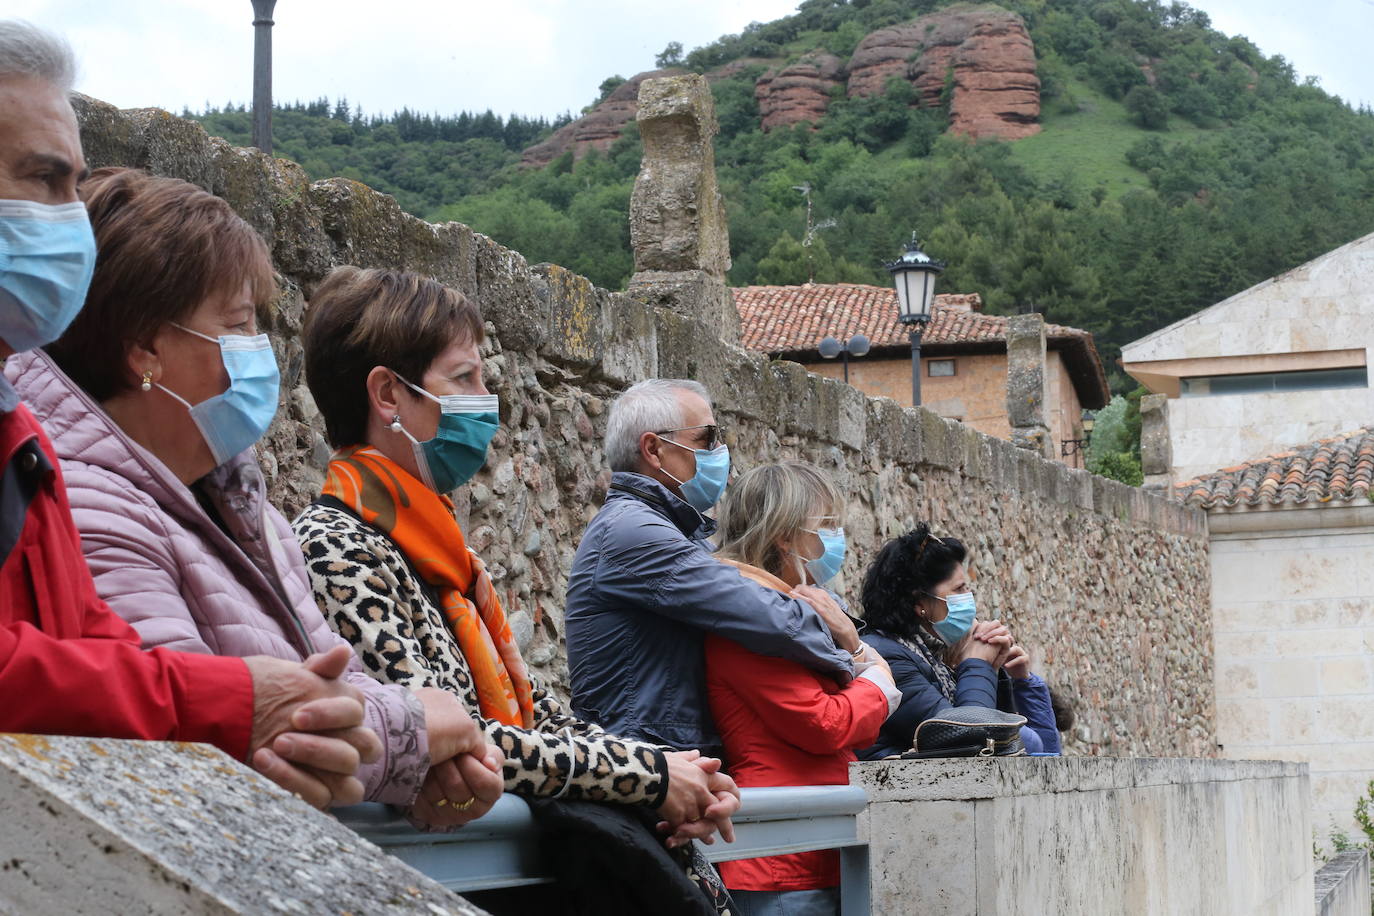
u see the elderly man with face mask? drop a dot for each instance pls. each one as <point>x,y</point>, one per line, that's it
<point>78,667</point>
<point>645,590</point>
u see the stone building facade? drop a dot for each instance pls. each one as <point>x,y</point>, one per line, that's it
<point>1108,586</point>
<point>1278,365</point>
<point>1292,538</point>
<point>963,354</point>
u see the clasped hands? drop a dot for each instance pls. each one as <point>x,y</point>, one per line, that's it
<point>701,800</point>
<point>308,737</point>
<point>991,641</point>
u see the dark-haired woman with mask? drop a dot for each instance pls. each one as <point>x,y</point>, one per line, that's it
<point>783,724</point>
<point>155,396</point>
<point>920,609</point>
<point>392,359</point>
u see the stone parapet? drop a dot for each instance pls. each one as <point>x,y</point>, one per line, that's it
<point>1342,885</point>
<point>1108,586</point>
<point>1156,454</point>
<point>1007,836</point>
<point>101,826</point>
<point>1027,384</point>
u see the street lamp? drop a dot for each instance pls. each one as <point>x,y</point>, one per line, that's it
<point>262,74</point>
<point>914,276</point>
<point>1069,447</point>
<point>854,346</point>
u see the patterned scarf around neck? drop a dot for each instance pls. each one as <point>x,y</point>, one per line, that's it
<point>932,649</point>
<point>421,523</point>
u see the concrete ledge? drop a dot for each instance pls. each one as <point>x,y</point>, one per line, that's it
<point>104,826</point>
<point>1342,885</point>
<point>1088,835</point>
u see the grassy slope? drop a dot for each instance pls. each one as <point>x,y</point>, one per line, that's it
<point>1086,136</point>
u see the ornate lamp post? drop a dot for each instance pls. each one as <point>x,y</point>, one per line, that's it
<point>854,346</point>
<point>914,275</point>
<point>262,74</point>
<point>1069,447</point>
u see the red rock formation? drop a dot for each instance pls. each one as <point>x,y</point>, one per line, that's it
<point>799,92</point>
<point>883,54</point>
<point>986,50</point>
<point>598,128</point>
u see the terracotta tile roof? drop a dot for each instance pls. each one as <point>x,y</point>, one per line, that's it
<point>1337,469</point>
<point>791,320</point>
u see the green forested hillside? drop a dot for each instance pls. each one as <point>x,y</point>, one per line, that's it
<point>1142,200</point>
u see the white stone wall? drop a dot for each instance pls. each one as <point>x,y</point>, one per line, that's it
<point>1146,837</point>
<point>1293,618</point>
<point>1209,433</point>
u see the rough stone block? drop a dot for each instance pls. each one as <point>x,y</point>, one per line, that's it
<point>630,338</point>
<point>749,387</point>
<point>851,418</point>
<point>100,826</point>
<point>1081,488</point>
<point>510,298</point>
<point>940,446</point>
<point>575,320</point>
<point>1026,376</point>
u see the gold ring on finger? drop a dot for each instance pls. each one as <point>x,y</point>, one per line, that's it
<point>463,805</point>
<point>441,802</point>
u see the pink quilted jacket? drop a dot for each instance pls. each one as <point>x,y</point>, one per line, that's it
<point>185,583</point>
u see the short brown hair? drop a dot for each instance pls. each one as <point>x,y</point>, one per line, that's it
<point>360,319</point>
<point>163,246</point>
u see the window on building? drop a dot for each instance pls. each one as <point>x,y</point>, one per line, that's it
<point>1264,382</point>
<point>939,368</point>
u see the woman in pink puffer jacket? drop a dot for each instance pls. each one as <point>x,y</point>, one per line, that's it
<point>155,439</point>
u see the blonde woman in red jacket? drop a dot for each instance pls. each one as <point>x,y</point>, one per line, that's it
<point>781,723</point>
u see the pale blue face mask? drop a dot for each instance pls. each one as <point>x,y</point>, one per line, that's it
<point>708,484</point>
<point>962,608</point>
<point>235,420</point>
<point>47,256</point>
<point>458,450</point>
<point>827,566</point>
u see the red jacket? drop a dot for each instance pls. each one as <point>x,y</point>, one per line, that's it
<point>785,725</point>
<point>68,664</point>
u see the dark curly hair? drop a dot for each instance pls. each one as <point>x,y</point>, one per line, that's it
<point>905,568</point>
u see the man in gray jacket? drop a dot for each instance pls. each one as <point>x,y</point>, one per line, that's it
<point>645,589</point>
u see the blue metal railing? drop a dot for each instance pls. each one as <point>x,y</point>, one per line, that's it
<point>501,848</point>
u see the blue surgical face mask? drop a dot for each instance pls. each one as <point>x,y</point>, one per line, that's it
<point>47,256</point>
<point>236,419</point>
<point>827,565</point>
<point>459,447</point>
<point>959,620</point>
<point>713,470</point>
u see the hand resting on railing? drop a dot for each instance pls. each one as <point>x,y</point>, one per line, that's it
<point>701,799</point>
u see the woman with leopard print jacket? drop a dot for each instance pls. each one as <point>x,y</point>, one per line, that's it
<point>393,363</point>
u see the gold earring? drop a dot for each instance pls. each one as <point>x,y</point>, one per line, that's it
<point>147,380</point>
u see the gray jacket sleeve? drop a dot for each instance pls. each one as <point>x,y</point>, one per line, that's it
<point>647,563</point>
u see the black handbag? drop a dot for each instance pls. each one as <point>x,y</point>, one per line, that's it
<point>968,731</point>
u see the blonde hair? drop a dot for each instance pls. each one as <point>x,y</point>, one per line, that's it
<point>772,503</point>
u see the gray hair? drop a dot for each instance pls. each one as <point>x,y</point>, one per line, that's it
<point>27,50</point>
<point>773,502</point>
<point>646,407</point>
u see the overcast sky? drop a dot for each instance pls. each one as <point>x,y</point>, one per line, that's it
<point>533,57</point>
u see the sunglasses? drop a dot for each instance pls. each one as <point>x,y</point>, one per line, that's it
<point>712,433</point>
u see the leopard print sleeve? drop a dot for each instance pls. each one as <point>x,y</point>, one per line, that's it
<point>581,768</point>
<point>370,596</point>
<point>550,716</point>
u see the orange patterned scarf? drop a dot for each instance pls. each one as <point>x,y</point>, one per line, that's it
<point>421,522</point>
